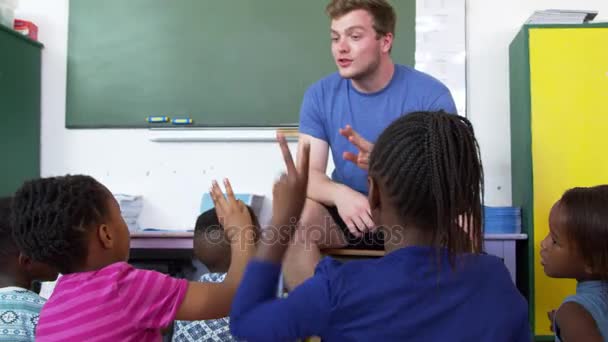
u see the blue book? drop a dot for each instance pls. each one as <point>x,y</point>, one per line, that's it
<point>254,201</point>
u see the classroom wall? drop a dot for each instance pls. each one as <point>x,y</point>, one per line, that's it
<point>173,176</point>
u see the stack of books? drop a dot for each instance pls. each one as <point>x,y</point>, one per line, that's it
<point>555,16</point>
<point>502,220</point>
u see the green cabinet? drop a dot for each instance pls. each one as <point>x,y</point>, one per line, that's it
<point>19,109</point>
<point>559,121</point>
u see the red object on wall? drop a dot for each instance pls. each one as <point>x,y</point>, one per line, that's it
<point>26,28</point>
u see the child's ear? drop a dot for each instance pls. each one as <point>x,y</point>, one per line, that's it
<point>24,261</point>
<point>374,195</point>
<point>36,269</point>
<point>106,238</point>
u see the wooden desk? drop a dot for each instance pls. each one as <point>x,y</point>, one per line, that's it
<point>162,240</point>
<point>174,248</point>
<point>341,252</point>
<point>178,245</point>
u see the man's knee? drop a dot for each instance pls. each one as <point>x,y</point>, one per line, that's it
<point>313,214</point>
<point>315,223</point>
<point>318,228</point>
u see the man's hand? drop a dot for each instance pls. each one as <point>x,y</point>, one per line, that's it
<point>354,210</point>
<point>361,159</point>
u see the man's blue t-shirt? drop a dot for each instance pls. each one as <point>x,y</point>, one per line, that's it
<point>333,102</point>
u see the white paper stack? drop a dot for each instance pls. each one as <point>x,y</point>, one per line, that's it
<point>130,208</point>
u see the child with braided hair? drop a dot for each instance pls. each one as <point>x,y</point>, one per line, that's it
<point>433,284</point>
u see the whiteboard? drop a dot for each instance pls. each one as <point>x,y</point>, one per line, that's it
<point>441,45</point>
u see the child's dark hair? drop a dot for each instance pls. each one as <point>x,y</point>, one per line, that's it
<point>52,218</point>
<point>584,212</point>
<point>208,224</point>
<point>8,248</point>
<point>211,246</point>
<point>430,165</point>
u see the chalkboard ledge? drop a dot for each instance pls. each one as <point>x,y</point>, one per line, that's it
<point>219,135</point>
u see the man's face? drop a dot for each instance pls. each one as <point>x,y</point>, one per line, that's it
<point>355,45</point>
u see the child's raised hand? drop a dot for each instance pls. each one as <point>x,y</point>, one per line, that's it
<point>289,192</point>
<point>231,213</point>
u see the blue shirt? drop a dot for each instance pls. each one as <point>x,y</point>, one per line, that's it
<point>593,296</point>
<point>402,296</point>
<point>333,102</point>
<point>19,313</point>
<point>212,330</point>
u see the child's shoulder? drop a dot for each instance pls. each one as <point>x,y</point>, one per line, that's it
<point>19,313</point>
<point>491,271</point>
<point>212,277</point>
<point>593,296</point>
<point>117,276</point>
<point>20,299</point>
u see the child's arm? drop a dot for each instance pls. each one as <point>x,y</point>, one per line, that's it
<point>576,324</point>
<point>289,195</point>
<point>213,300</point>
<point>256,314</point>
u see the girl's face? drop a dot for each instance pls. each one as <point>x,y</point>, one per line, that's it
<point>559,255</point>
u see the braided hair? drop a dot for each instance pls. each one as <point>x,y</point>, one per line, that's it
<point>430,165</point>
<point>53,217</point>
<point>8,248</point>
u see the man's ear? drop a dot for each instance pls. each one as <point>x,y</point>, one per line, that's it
<point>387,42</point>
<point>374,195</point>
<point>105,235</point>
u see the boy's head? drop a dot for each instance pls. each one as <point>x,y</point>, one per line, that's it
<point>426,169</point>
<point>578,230</point>
<point>72,223</point>
<point>211,246</point>
<point>21,268</point>
<point>362,34</point>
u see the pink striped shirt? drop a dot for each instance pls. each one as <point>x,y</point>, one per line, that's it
<point>115,303</point>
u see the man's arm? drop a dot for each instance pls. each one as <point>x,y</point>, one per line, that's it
<point>320,187</point>
<point>352,206</point>
<point>444,102</point>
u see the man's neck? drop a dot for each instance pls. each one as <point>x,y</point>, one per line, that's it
<point>377,80</point>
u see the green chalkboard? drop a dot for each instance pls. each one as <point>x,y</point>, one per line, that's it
<point>223,63</point>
